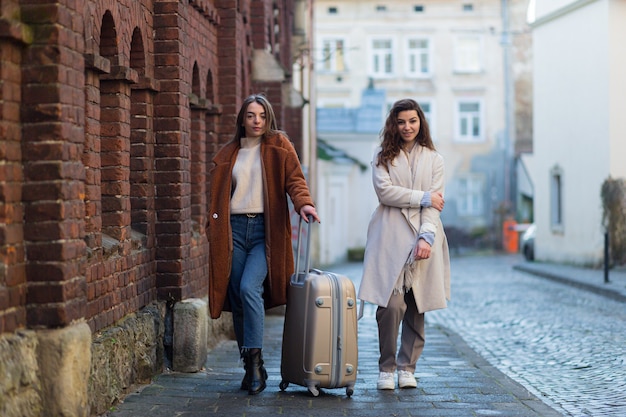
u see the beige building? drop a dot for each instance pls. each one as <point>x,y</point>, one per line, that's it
<point>455,59</point>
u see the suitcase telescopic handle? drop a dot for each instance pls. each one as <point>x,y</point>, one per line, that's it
<point>307,259</point>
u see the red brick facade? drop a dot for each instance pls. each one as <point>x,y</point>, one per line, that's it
<point>109,113</point>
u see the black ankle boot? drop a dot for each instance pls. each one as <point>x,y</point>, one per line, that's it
<point>256,375</point>
<point>244,382</point>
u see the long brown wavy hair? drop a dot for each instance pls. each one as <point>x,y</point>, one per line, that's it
<point>392,141</point>
<point>270,118</point>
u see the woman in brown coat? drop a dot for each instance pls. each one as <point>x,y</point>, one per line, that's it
<point>406,269</point>
<point>249,229</point>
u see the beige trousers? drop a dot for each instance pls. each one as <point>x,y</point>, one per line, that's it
<point>401,308</point>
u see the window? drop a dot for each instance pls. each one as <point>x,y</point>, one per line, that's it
<point>468,7</point>
<point>332,55</point>
<point>425,105</point>
<point>470,195</point>
<point>429,113</point>
<point>332,10</point>
<point>468,54</point>
<point>418,57</point>
<point>381,57</point>
<point>469,123</point>
<point>556,198</point>
<point>381,8</point>
<point>418,8</point>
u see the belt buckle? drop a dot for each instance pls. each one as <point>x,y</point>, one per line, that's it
<point>251,215</point>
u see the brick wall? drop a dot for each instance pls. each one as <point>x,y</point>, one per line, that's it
<point>53,189</point>
<point>110,114</point>
<point>12,254</point>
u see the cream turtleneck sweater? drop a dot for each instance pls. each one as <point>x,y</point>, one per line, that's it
<point>247,194</point>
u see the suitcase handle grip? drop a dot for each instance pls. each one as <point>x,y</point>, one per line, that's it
<point>307,260</point>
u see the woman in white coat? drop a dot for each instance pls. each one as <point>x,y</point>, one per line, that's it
<point>406,268</point>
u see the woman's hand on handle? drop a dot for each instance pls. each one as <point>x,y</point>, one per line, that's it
<point>307,210</point>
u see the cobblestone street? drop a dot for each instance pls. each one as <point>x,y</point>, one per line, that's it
<point>564,344</point>
<point>511,343</point>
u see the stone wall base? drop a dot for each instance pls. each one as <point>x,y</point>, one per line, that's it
<point>190,335</point>
<point>129,353</point>
<point>69,372</point>
<point>19,384</point>
<point>64,359</point>
<point>45,372</point>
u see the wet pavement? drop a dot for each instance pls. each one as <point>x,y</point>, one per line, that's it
<point>511,343</point>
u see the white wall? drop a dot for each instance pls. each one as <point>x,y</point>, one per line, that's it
<point>333,186</point>
<point>617,91</point>
<point>346,199</point>
<point>571,126</point>
<point>544,8</point>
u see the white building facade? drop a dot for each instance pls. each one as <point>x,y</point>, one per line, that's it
<point>447,55</point>
<point>579,123</point>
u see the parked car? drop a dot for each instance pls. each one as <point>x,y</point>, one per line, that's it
<point>528,243</point>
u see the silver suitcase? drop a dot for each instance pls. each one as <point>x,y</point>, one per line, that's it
<point>319,347</point>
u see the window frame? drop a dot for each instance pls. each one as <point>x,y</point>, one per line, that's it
<point>386,53</point>
<point>462,54</point>
<point>430,115</point>
<point>458,114</point>
<point>331,58</point>
<point>417,53</point>
<point>470,197</point>
<point>556,199</point>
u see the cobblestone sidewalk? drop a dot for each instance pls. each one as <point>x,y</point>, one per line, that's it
<point>452,381</point>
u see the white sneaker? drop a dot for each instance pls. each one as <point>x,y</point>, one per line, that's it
<point>406,380</point>
<point>386,381</point>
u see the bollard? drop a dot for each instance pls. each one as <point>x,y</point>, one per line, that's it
<point>606,257</point>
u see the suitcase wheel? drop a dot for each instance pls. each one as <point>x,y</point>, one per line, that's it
<point>313,389</point>
<point>349,391</point>
<point>283,385</point>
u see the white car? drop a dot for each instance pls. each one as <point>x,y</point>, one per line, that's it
<point>528,243</point>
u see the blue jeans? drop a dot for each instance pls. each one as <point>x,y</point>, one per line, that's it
<point>248,272</point>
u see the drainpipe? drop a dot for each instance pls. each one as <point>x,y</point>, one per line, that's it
<point>509,95</point>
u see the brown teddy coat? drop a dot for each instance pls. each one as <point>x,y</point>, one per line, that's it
<point>282,176</point>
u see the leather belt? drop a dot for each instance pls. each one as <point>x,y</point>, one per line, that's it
<point>248,215</point>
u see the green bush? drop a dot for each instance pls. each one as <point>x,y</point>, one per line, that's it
<point>613,195</point>
<point>356,254</point>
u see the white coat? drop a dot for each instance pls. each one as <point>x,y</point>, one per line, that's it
<point>394,228</point>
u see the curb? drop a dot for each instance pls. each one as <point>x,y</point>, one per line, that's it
<point>609,293</point>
